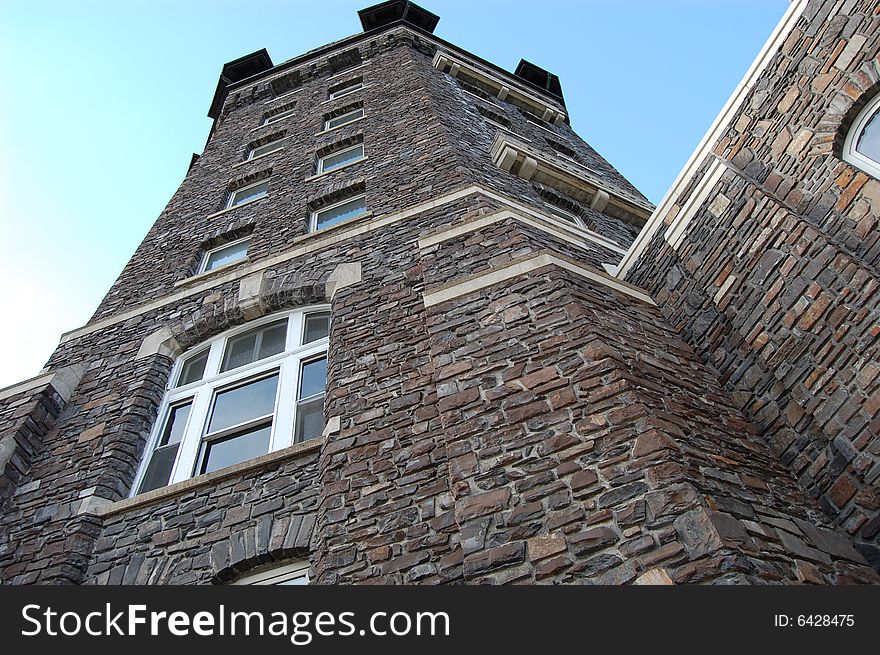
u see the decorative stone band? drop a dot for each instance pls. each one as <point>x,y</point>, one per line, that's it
<point>62,380</point>
<point>553,227</point>
<point>719,126</point>
<point>522,266</point>
<point>316,241</point>
<point>515,155</point>
<point>457,66</point>
<point>677,229</point>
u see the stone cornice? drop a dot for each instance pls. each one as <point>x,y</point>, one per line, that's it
<point>515,155</point>
<point>505,90</point>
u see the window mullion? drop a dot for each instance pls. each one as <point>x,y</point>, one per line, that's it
<point>282,431</point>
<point>189,444</point>
<point>212,366</point>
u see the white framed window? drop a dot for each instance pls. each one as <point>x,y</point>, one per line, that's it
<point>266,149</point>
<point>225,254</point>
<point>345,90</point>
<point>340,158</point>
<point>343,119</point>
<point>295,573</point>
<point>248,193</point>
<point>280,116</point>
<point>246,393</point>
<point>565,215</point>
<point>341,211</point>
<point>862,144</point>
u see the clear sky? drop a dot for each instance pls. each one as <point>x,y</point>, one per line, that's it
<point>104,101</point>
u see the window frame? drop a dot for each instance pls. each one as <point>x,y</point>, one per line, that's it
<point>230,204</point>
<point>313,220</point>
<point>277,574</point>
<point>203,267</point>
<point>850,154</point>
<point>346,90</point>
<point>327,121</point>
<point>321,160</point>
<point>280,116</point>
<point>251,151</point>
<point>202,393</point>
<point>576,221</point>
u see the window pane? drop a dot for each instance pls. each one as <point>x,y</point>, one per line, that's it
<point>266,149</point>
<point>273,339</point>
<point>345,118</point>
<point>337,214</point>
<point>243,403</point>
<point>317,327</point>
<point>239,448</point>
<point>300,579</point>
<point>226,255</point>
<point>309,420</point>
<point>330,162</point>
<point>175,425</point>
<point>268,340</point>
<point>239,351</point>
<point>159,470</point>
<point>559,213</point>
<point>193,369</point>
<point>313,378</point>
<point>250,193</point>
<point>869,139</point>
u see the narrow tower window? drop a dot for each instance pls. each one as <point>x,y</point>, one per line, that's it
<point>339,212</point>
<point>344,119</point>
<point>224,255</point>
<point>340,158</point>
<point>248,194</point>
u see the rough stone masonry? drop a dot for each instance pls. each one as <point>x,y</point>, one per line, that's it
<point>505,402</point>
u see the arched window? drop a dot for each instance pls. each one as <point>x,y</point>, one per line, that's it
<point>293,573</point>
<point>862,144</point>
<point>246,393</point>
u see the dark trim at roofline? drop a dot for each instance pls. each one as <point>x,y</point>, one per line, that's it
<point>296,61</point>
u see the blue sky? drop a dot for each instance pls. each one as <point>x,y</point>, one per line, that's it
<point>104,102</point>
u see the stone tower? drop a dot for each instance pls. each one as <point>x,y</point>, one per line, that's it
<point>400,323</point>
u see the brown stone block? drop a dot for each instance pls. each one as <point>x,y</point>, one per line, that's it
<point>842,491</point>
<point>591,540</point>
<point>92,433</point>
<point>494,558</point>
<point>583,479</point>
<point>545,546</point>
<point>481,504</point>
<point>652,441</point>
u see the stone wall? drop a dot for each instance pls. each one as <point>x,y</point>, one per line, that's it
<point>775,283</point>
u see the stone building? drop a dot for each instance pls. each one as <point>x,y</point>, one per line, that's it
<point>401,324</point>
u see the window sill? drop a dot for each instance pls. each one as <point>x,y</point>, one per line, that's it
<point>238,206</point>
<point>339,127</point>
<point>199,277</point>
<point>328,230</point>
<point>338,168</point>
<point>178,488</point>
